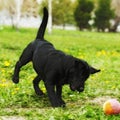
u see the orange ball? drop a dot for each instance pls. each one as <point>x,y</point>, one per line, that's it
<point>111,106</point>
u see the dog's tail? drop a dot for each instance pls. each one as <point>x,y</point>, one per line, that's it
<point>41,30</point>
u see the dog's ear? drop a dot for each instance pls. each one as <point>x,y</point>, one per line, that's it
<point>78,63</point>
<point>93,70</point>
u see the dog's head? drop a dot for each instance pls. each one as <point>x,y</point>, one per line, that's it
<point>79,73</point>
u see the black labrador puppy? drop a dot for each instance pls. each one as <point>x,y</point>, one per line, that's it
<point>54,67</point>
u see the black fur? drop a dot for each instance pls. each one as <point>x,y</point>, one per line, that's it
<point>52,66</point>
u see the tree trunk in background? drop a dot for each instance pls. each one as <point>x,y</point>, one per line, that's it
<point>116,23</point>
<point>18,4</point>
<point>116,6</point>
<point>50,16</point>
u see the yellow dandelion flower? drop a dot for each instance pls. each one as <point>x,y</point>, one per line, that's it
<point>3,85</point>
<point>113,87</point>
<point>3,80</point>
<point>102,69</point>
<point>13,93</point>
<point>3,71</point>
<point>17,89</point>
<point>66,50</point>
<point>93,77</point>
<point>103,52</point>
<point>6,63</point>
<point>81,57</point>
<point>107,82</point>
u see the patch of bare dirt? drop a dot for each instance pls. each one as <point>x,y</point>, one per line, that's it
<point>11,118</point>
<point>100,100</point>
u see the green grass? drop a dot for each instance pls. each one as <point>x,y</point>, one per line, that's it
<point>101,50</point>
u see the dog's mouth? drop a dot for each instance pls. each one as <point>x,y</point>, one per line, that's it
<point>79,89</point>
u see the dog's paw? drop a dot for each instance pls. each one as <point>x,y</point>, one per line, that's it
<point>63,105</point>
<point>60,103</point>
<point>15,79</point>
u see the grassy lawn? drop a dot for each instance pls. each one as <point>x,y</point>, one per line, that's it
<point>101,50</point>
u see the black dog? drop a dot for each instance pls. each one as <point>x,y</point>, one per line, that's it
<point>53,67</point>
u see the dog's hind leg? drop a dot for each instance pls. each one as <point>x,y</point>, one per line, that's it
<point>36,81</point>
<point>24,59</point>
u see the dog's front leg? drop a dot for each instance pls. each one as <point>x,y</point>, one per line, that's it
<point>52,95</point>
<point>59,94</point>
<point>50,86</point>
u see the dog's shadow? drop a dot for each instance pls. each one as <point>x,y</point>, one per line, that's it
<point>33,101</point>
<point>42,101</point>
